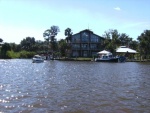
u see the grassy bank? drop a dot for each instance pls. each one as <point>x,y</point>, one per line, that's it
<point>74,59</point>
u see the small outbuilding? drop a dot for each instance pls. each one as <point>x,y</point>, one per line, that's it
<point>124,49</point>
<point>127,52</point>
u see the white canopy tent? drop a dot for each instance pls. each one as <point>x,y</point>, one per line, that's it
<point>104,52</point>
<point>124,49</point>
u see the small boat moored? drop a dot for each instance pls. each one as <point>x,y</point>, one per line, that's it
<point>106,56</point>
<point>37,59</point>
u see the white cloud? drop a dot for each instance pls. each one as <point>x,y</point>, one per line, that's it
<point>117,8</point>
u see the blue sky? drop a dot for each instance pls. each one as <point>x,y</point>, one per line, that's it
<point>22,18</point>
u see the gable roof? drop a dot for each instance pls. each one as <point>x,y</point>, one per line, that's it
<point>87,30</point>
<point>124,49</point>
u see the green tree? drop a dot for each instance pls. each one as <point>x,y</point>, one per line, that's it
<point>107,40</point>
<point>5,47</point>
<point>144,43</point>
<point>115,38</point>
<point>1,40</point>
<point>111,40</point>
<point>68,33</point>
<point>62,46</point>
<point>134,45</point>
<point>49,36</point>
<point>40,47</point>
<point>15,47</point>
<point>28,43</point>
<point>125,39</point>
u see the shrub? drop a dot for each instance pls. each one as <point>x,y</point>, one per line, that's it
<point>26,54</point>
<point>11,54</point>
<point>22,54</point>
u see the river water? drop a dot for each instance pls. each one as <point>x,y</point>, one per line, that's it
<point>74,87</point>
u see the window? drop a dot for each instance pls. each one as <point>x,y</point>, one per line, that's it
<point>84,46</point>
<point>85,37</point>
<point>75,53</point>
<point>94,53</point>
<point>76,38</point>
<point>93,46</point>
<point>94,38</point>
<point>76,46</point>
<point>85,53</point>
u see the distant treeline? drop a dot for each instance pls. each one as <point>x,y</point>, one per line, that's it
<point>29,46</point>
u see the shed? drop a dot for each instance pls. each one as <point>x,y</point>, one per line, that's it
<point>124,49</point>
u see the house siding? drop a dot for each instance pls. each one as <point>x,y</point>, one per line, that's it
<point>86,44</point>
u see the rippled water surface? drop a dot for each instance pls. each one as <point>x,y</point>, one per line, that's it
<point>74,87</point>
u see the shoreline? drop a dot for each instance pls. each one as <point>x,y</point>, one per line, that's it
<point>63,59</point>
<point>80,59</point>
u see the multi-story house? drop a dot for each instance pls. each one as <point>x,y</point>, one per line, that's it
<point>86,44</point>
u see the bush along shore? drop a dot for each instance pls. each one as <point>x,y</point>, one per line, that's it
<point>14,55</point>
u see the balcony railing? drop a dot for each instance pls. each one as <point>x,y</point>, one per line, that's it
<point>76,48</point>
<point>85,48</point>
<point>84,41</point>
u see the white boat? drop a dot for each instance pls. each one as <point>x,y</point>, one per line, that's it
<point>37,59</point>
<point>106,56</point>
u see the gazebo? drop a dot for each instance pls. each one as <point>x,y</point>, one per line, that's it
<point>126,51</point>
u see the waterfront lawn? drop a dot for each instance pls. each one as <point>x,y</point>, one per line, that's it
<point>75,59</point>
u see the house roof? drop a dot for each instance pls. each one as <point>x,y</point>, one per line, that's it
<point>124,49</point>
<point>88,30</point>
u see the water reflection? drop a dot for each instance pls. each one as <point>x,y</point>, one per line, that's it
<point>57,86</point>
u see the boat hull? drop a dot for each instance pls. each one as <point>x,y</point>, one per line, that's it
<point>37,61</point>
<point>107,60</point>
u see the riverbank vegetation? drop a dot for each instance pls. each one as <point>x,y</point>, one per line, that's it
<point>29,46</point>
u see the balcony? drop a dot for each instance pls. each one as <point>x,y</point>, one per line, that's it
<point>75,48</point>
<point>85,48</point>
<point>84,41</point>
<point>94,48</point>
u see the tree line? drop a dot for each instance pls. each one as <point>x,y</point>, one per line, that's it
<point>112,39</point>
